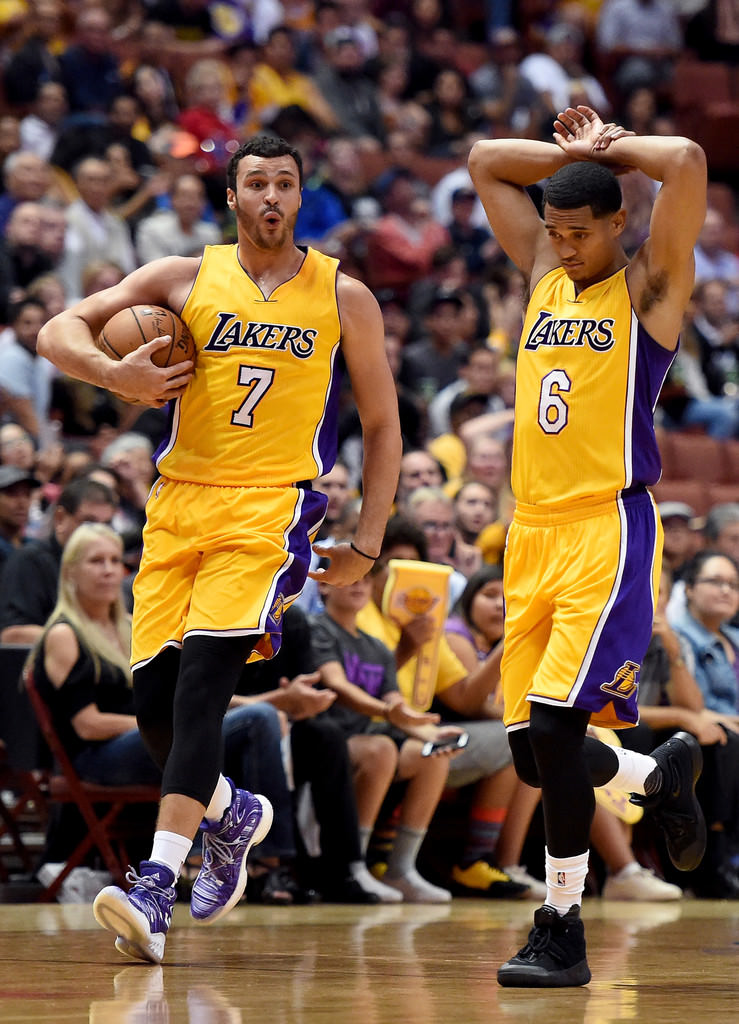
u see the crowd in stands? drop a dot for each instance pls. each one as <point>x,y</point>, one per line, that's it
<point>117,121</point>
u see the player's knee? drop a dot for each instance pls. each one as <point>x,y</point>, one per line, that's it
<point>523,757</point>
<point>555,734</point>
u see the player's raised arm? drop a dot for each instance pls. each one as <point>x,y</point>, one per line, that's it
<point>661,274</point>
<point>363,345</point>
<point>68,339</point>
<point>501,169</point>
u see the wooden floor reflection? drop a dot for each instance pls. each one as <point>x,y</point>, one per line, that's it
<point>652,963</point>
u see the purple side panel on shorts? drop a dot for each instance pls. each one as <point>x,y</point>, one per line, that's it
<point>652,363</point>
<point>291,579</point>
<point>626,632</point>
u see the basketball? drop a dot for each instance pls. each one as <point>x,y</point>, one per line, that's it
<point>134,326</point>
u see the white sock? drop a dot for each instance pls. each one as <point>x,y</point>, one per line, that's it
<point>361,874</point>
<point>170,849</point>
<point>565,881</point>
<point>221,799</point>
<point>633,770</point>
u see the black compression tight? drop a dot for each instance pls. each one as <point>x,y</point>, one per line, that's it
<point>181,698</point>
<point>555,753</point>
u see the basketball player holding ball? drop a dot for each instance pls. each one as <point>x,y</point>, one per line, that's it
<point>584,550</point>
<point>232,516</point>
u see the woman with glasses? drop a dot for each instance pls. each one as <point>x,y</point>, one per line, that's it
<point>712,601</point>
<point>711,650</point>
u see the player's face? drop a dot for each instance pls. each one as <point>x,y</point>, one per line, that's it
<point>266,200</point>
<point>587,247</point>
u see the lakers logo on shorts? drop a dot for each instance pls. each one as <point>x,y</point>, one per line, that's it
<point>278,607</point>
<point>625,681</point>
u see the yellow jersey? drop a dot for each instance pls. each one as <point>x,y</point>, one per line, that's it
<point>261,408</point>
<point>587,380</point>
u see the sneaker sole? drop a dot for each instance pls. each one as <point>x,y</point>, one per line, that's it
<point>265,824</point>
<point>689,859</point>
<point>521,976</point>
<point>113,911</point>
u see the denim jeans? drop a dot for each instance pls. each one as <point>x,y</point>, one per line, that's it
<point>121,761</point>
<point>253,759</point>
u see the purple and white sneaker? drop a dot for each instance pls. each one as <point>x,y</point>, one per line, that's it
<point>222,879</point>
<point>140,917</point>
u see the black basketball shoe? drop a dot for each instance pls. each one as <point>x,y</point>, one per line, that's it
<point>674,806</point>
<point>554,955</point>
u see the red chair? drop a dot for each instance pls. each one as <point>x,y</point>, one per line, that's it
<point>697,457</point>
<point>720,494</point>
<point>100,806</point>
<point>692,492</point>
<point>731,462</point>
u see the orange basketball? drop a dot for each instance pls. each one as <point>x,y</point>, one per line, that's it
<point>136,325</point>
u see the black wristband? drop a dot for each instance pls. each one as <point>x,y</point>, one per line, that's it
<point>370,558</point>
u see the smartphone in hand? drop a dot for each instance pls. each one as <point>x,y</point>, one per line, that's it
<point>447,743</point>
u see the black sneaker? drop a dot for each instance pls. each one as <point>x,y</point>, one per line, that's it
<point>554,955</point>
<point>349,891</point>
<point>675,807</point>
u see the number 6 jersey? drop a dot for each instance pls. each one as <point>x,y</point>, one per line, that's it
<point>261,408</point>
<point>587,380</point>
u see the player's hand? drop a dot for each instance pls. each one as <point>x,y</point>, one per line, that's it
<point>582,135</point>
<point>302,700</point>
<point>346,565</point>
<point>576,131</point>
<point>138,379</point>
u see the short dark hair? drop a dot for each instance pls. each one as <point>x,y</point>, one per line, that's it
<point>17,308</point>
<point>400,530</point>
<point>267,146</point>
<point>584,184</point>
<point>83,489</point>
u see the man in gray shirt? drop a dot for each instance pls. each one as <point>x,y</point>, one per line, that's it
<point>180,231</point>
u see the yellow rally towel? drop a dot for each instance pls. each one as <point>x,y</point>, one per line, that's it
<point>413,589</point>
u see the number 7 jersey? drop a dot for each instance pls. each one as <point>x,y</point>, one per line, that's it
<point>587,381</point>
<point>261,408</point>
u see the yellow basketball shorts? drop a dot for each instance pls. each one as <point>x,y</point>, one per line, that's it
<point>221,561</point>
<point>580,586</point>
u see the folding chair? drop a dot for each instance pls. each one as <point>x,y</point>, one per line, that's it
<point>23,807</point>
<point>100,806</point>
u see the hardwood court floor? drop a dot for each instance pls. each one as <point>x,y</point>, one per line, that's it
<point>651,963</point>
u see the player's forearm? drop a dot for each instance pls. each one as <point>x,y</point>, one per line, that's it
<point>67,342</point>
<point>659,157</point>
<point>519,162</point>
<point>380,467</point>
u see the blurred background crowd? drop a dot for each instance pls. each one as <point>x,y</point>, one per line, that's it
<point>117,121</point>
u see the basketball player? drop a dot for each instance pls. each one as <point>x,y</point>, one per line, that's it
<point>231,518</point>
<point>583,557</point>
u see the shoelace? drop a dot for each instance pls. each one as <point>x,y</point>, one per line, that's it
<point>150,883</point>
<point>538,940</point>
<point>216,848</point>
<point>164,895</point>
